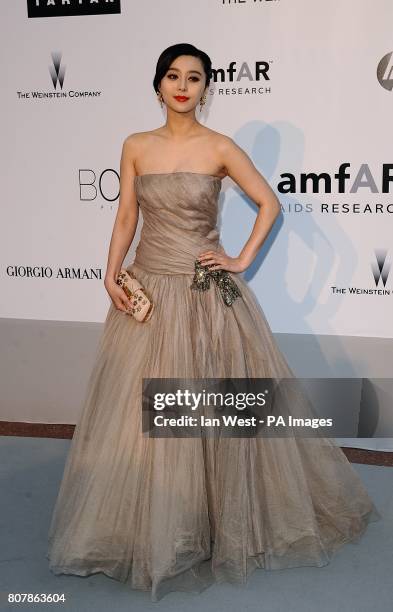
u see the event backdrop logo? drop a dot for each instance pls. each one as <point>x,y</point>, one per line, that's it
<point>59,8</point>
<point>241,3</point>
<point>254,72</point>
<point>57,75</point>
<point>244,78</point>
<point>381,267</point>
<point>57,71</point>
<point>380,270</point>
<point>385,71</point>
<point>63,272</point>
<point>359,181</point>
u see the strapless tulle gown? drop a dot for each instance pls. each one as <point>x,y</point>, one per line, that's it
<point>178,514</point>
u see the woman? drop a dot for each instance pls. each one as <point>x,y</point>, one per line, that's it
<point>177,514</point>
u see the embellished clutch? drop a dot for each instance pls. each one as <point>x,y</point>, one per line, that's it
<point>227,286</point>
<point>141,307</point>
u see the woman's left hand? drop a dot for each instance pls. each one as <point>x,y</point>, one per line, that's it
<point>217,260</point>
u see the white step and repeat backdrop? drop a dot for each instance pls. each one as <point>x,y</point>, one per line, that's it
<point>306,90</point>
<point>304,87</point>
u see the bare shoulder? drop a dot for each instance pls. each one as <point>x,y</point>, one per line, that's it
<point>137,139</point>
<point>225,143</point>
<point>144,135</point>
<point>225,148</point>
<point>222,143</point>
<point>134,144</point>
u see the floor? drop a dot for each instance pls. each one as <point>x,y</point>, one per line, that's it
<point>359,578</point>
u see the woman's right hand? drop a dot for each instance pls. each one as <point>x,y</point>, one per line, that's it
<point>117,295</point>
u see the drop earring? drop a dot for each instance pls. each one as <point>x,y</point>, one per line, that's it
<point>202,102</point>
<point>160,98</point>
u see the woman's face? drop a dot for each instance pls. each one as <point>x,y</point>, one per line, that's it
<point>183,84</point>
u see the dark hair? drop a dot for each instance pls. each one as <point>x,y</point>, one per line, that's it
<point>171,53</point>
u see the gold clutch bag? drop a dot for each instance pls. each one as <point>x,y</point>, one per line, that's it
<point>141,306</point>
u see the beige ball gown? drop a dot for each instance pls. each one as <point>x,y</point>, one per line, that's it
<point>178,514</point>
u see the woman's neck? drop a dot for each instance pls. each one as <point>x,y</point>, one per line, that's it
<point>179,126</point>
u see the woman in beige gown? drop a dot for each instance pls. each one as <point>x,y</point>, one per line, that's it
<point>180,513</point>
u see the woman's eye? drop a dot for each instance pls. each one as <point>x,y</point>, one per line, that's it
<point>194,78</point>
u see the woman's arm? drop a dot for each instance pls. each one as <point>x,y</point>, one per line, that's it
<point>242,170</point>
<point>127,214</point>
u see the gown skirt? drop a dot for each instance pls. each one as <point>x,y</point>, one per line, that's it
<point>178,514</point>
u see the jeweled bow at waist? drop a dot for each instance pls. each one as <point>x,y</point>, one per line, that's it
<point>227,286</point>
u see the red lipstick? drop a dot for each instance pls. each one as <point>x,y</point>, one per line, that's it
<point>181,98</point>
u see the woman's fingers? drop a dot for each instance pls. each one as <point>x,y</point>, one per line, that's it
<point>210,258</point>
<point>121,301</point>
<point>121,306</point>
<point>207,254</point>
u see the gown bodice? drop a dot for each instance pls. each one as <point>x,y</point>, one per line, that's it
<point>179,212</point>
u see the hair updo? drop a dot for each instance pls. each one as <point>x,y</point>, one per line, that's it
<point>171,53</point>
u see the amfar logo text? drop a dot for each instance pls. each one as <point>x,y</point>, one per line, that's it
<point>258,71</point>
<point>362,179</point>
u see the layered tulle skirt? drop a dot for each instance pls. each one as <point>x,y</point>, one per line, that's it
<point>166,514</point>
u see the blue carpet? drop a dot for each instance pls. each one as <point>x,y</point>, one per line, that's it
<point>358,579</point>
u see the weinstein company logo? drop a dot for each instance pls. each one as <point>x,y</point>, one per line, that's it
<point>57,72</point>
<point>380,268</point>
<point>242,78</point>
<point>59,8</point>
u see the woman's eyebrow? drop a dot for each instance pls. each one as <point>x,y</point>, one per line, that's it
<point>197,71</point>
